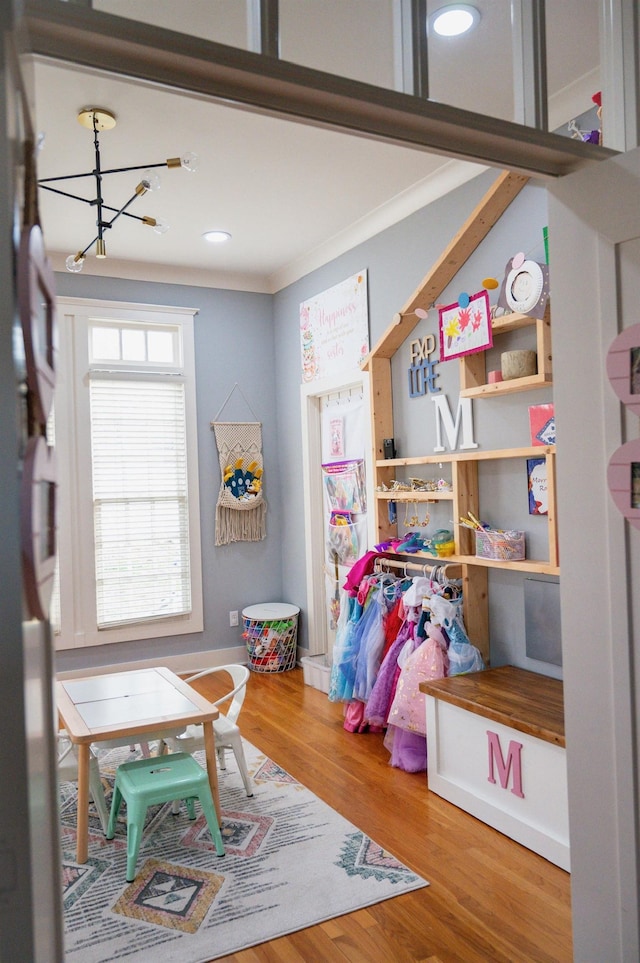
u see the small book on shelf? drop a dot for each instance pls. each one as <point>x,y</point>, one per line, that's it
<point>542,423</point>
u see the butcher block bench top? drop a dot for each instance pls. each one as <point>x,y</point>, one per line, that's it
<point>517,698</point>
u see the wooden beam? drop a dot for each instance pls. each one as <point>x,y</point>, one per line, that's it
<point>490,209</point>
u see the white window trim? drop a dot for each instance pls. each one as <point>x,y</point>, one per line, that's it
<point>74,498</point>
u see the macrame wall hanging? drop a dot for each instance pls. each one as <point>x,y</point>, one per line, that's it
<point>241,510</point>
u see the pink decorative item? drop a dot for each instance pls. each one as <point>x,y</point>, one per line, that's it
<point>542,424</point>
<point>623,479</point>
<point>623,367</point>
<point>495,377</point>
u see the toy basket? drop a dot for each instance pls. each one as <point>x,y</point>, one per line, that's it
<point>500,546</point>
<point>271,632</point>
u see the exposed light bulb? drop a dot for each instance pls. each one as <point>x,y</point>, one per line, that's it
<point>189,161</point>
<point>151,179</point>
<point>159,225</point>
<point>217,237</point>
<point>75,263</point>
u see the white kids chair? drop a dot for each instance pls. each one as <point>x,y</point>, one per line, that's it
<point>68,772</point>
<point>227,733</point>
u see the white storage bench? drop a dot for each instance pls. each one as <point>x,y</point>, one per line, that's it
<point>496,748</point>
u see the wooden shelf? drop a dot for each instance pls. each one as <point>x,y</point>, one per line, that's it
<point>511,322</point>
<point>475,454</point>
<point>473,367</point>
<point>402,496</point>
<point>532,566</point>
<point>529,383</point>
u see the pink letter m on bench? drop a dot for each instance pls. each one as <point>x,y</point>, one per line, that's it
<point>513,763</point>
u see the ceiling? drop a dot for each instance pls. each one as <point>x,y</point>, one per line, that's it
<point>292,195</point>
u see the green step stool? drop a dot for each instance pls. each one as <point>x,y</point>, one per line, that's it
<point>146,782</point>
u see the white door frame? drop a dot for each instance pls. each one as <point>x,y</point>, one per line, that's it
<point>310,400</point>
<point>594,217</point>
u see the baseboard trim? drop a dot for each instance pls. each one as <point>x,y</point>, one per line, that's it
<point>186,662</point>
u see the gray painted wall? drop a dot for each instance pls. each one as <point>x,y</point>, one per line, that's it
<point>254,340</point>
<point>397,260</point>
<point>233,343</point>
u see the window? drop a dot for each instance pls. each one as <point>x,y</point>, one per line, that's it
<point>125,429</point>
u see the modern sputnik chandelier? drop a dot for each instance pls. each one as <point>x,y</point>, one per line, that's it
<point>98,119</point>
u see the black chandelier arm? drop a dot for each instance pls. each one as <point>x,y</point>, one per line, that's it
<point>86,200</point>
<point>139,167</point>
<point>64,177</point>
<point>123,210</point>
<point>107,224</point>
<point>98,176</point>
<point>87,248</point>
<point>136,217</point>
<point>75,197</point>
<point>112,170</point>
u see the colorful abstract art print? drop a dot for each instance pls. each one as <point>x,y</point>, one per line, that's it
<point>465,327</point>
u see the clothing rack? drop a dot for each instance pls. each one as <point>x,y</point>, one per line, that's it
<point>450,571</point>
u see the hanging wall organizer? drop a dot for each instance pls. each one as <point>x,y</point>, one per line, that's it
<point>241,509</point>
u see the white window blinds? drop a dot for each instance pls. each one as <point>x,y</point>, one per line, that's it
<point>141,524</point>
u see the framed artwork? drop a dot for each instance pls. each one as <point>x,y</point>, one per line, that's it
<point>334,329</point>
<point>465,327</point>
<point>537,484</point>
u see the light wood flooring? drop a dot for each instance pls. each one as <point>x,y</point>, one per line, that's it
<point>490,899</point>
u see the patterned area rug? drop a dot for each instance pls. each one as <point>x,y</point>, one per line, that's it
<point>290,862</point>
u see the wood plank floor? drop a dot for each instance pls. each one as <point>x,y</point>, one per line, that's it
<point>490,899</point>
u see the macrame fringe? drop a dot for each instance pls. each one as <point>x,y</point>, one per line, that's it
<point>241,507</point>
<point>241,526</point>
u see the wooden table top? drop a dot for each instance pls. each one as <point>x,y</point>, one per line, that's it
<point>523,700</point>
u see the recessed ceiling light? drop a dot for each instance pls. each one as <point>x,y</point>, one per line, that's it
<point>217,237</point>
<point>454,19</point>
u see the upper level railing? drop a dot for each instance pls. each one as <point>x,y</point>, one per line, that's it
<point>370,65</point>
